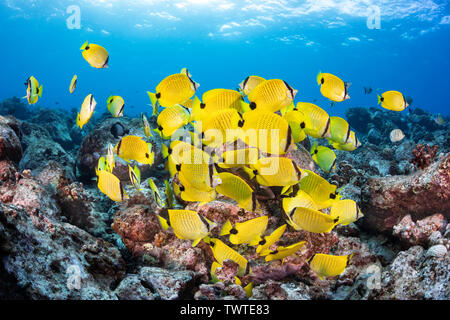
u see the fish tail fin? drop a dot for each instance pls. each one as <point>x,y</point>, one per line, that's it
<point>379,98</point>
<point>319,78</point>
<point>84,46</point>
<point>226,228</point>
<point>40,91</point>
<point>153,100</point>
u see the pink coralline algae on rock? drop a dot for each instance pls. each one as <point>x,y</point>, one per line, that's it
<point>424,155</point>
<point>387,200</point>
<point>419,232</point>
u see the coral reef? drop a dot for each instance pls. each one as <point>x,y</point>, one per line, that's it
<point>61,238</point>
<point>424,155</point>
<point>387,200</point>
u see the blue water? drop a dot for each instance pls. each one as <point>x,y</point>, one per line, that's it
<point>221,42</point>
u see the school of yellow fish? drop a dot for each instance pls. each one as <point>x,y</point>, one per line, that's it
<point>234,143</point>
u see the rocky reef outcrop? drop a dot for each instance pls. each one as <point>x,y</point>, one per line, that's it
<point>388,199</point>
<point>10,147</point>
<point>61,238</point>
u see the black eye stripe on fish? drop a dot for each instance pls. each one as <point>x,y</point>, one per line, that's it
<point>292,212</point>
<point>334,163</point>
<point>202,218</point>
<point>289,88</point>
<point>245,83</point>
<point>121,190</point>
<point>289,139</point>
<point>106,62</point>
<point>211,174</point>
<point>118,146</point>
<point>297,170</point>
<point>326,128</point>
<point>348,134</point>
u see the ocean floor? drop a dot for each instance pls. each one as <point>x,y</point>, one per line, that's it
<point>61,238</point>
